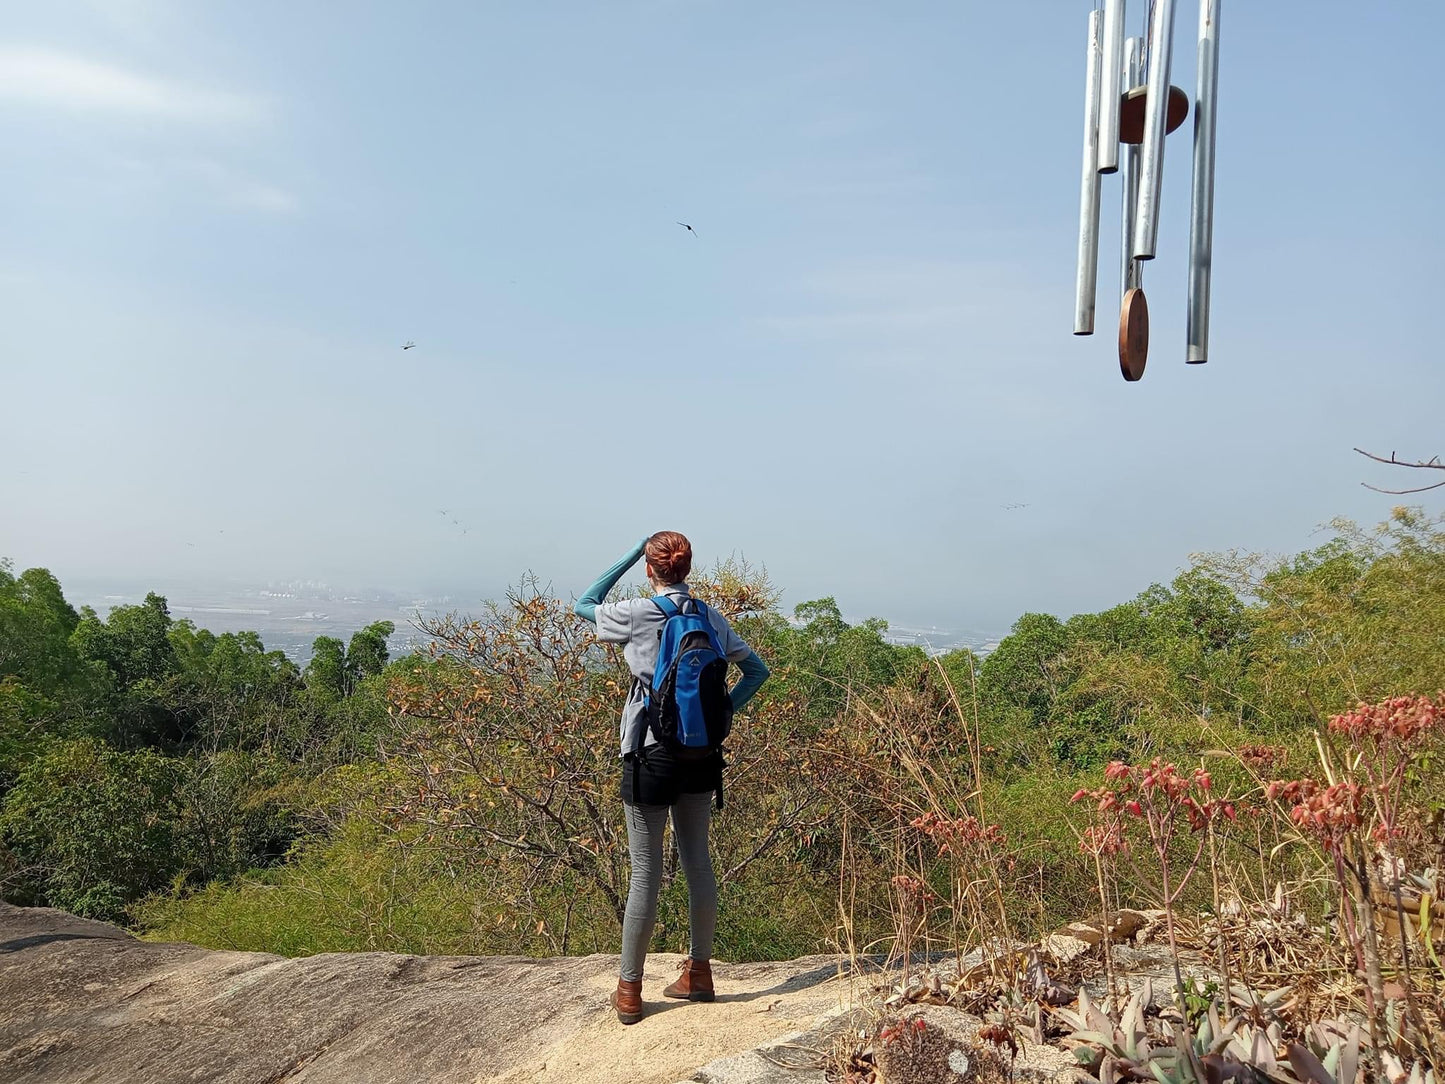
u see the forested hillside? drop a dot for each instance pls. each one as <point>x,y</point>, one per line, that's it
<point>201,787</point>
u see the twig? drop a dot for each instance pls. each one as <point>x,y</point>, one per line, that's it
<point>1433,463</point>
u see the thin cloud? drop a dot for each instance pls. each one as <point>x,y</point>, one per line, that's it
<point>847,180</point>
<point>917,311</point>
<point>238,190</point>
<point>264,197</point>
<point>141,20</point>
<point>49,78</point>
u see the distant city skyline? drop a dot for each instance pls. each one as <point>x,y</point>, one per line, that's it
<point>397,295</point>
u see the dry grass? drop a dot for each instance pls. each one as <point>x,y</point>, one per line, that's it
<point>1298,943</point>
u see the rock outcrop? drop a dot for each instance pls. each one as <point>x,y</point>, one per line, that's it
<point>83,1001</point>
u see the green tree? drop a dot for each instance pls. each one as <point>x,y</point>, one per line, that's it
<point>1029,668</point>
<point>132,641</point>
<point>46,688</point>
<point>824,661</point>
<point>327,680</point>
<point>336,669</point>
<point>35,627</point>
<point>90,829</point>
<point>1357,619</point>
<point>25,719</point>
<point>235,813</point>
<point>366,655</point>
<point>351,729</point>
<point>234,693</point>
<point>133,645</point>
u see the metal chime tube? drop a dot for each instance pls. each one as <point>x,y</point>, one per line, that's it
<point>1201,205</point>
<point>1156,112</point>
<point>1132,270</point>
<point>1113,68</point>
<point>1087,279</point>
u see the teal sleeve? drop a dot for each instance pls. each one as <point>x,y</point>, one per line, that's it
<point>755,672</point>
<point>586,606</point>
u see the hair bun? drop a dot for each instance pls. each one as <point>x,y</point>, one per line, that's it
<point>670,555</point>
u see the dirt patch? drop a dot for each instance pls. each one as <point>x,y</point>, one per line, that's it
<point>757,1003</point>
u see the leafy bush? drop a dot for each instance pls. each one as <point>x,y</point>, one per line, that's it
<point>235,814</point>
<point>90,829</point>
<point>366,889</point>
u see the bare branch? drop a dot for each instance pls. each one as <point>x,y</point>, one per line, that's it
<point>1433,463</point>
<point>1397,492</point>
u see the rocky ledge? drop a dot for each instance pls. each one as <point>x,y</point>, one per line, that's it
<point>83,1001</point>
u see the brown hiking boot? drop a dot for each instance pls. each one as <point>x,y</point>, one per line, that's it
<point>627,1000</point>
<point>695,982</point>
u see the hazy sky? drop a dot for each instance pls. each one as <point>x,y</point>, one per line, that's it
<point>221,221</point>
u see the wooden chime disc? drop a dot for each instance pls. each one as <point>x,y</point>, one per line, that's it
<point>1133,334</point>
<point>1131,113</point>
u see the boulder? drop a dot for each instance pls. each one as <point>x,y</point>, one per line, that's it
<point>947,1049</point>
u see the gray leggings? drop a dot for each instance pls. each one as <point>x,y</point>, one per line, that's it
<point>645,824</point>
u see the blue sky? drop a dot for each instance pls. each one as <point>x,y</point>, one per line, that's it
<point>222,221</point>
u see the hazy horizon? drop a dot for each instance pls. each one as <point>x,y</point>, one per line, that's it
<point>465,598</point>
<point>225,221</point>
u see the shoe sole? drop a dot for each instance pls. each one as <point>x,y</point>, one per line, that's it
<point>624,1017</point>
<point>696,995</point>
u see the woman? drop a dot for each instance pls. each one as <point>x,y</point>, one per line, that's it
<point>655,783</point>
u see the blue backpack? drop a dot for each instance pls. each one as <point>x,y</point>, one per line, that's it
<point>688,707</point>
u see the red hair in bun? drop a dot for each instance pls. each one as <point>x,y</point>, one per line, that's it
<point>669,555</point>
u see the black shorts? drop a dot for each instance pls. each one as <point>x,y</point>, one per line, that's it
<point>656,777</point>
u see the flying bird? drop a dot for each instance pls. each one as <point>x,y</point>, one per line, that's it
<point>408,345</point>
<point>688,228</point>
<point>1011,507</point>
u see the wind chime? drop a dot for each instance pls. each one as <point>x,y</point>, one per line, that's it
<point>1120,111</point>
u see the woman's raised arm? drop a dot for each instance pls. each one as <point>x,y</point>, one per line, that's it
<point>586,606</point>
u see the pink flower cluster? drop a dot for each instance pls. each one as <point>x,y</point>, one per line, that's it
<point>1105,840</point>
<point>1329,813</point>
<point>1293,791</point>
<point>961,835</point>
<point>1158,783</point>
<point>1402,718</point>
<point>1263,757</point>
<point>914,893</point>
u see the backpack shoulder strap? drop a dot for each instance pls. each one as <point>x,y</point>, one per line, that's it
<point>666,605</point>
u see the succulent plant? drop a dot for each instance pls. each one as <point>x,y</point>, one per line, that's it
<point>1125,1047</point>
<point>1249,1047</point>
<point>1395,1070</point>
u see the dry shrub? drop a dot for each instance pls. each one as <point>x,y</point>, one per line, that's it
<point>509,739</point>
